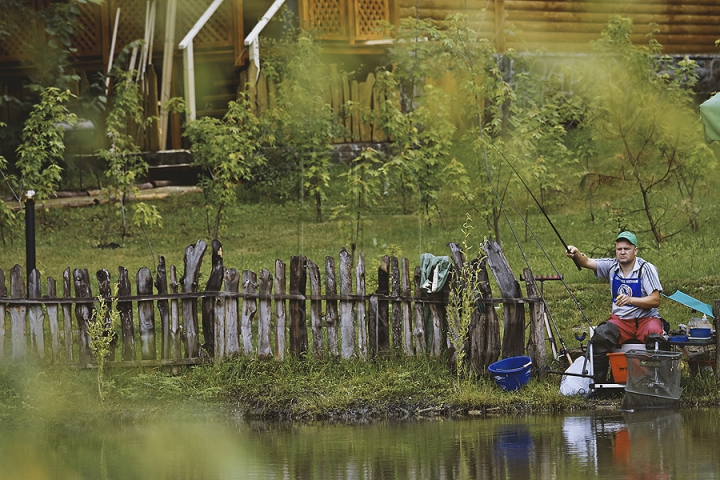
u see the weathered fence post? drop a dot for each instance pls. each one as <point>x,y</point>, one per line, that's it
<point>419,309</point>
<point>232,339</point>
<point>3,294</point>
<point>36,317</point>
<point>487,347</point>
<point>373,322</point>
<point>189,282</point>
<point>280,310</point>
<point>83,312</point>
<point>161,285</point>
<point>379,99</point>
<point>52,312</point>
<point>214,284</point>
<point>405,292</point>
<point>536,344</point>
<point>219,328</point>
<point>146,315</point>
<point>265,314</point>
<point>175,332</point>
<point>436,320</point>
<point>249,283</point>
<point>103,278</point>
<point>347,325</point>
<point>67,317</point>
<point>17,314</point>
<point>298,329</point>
<point>383,290</point>
<point>315,309</point>
<point>126,316</point>
<point>356,114</point>
<point>331,305</point>
<point>362,327</point>
<point>513,344</point>
<point>396,309</point>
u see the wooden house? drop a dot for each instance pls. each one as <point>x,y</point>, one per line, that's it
<point>221,56</point>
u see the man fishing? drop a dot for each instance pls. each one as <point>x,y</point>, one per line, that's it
<point>635,288</point>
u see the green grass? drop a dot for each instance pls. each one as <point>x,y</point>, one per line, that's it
<point>290,390</point>
<point>305,390</point>
<point>254,236</point>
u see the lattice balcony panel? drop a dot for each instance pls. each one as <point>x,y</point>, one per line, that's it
<point>15,46</point>
<point>368,16</point>
<point>346,19</point>
<point>329,17</point>
<point>88,38</point>
<point>132,21</point>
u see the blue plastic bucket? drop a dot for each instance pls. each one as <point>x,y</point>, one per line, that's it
<point>511,373</point>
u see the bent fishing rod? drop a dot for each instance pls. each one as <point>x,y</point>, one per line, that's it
<point>536,202</point>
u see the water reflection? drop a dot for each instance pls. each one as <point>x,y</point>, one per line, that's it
<point>631,445</point>
<point>639,445</point>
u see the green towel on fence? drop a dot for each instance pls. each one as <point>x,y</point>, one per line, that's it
<point>434,273</point>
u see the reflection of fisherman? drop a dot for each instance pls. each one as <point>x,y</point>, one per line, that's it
<point>652,445</point>
<point>635,288</point>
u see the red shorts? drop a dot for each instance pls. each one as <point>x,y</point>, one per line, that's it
<point>636,328</point>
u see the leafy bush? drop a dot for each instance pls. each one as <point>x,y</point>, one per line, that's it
<point>226,151</point>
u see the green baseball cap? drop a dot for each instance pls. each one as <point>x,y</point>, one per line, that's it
<point>629,236</point>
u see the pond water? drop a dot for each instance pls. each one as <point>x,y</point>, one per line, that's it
<point>617,445</point>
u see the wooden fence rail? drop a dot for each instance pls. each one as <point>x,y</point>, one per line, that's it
<point>263,315</point>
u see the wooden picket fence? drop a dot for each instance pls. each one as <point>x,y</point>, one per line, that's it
<point>254,315</point>
<point>339,90</point>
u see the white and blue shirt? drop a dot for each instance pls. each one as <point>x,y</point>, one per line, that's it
<point>642,281</point>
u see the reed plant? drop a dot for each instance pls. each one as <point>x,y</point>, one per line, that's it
<point>101,330</point>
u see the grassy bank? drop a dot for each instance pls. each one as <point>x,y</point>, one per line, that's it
<point>344,391</point>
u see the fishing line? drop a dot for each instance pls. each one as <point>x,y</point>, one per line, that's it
<point>517,240</point>
<point>537,240</point>
<point>502,207</point>
<point>536,200</point>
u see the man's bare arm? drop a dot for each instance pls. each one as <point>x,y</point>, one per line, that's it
<point>580,259</point>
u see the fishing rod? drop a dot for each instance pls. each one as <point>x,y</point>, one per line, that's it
<point>537,240</point>
<point>537,203</point>
<point>564,349</point>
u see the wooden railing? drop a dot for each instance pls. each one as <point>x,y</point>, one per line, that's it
<point>348,20</point>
